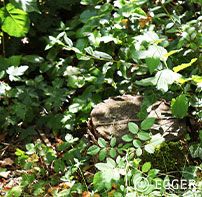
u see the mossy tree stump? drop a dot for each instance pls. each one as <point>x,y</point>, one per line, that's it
<point>111,118</point>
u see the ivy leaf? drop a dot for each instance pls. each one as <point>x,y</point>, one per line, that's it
<point>196,151</point>
<point>179,106</point>
<point>26,5</point>
<point>16,22</point>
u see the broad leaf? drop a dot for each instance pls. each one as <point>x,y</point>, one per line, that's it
<point>147,123</point>
<point>149,148</point>
<point>26,5</point>
<point>196,151</point>
<point>14,72</point>
<point>154,51</point>
<point>16,23</point>
<point>179,106</point>
<point>165,78</point>
<point>152,63</point>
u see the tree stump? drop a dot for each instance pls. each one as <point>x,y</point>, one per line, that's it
<point>111,118</point>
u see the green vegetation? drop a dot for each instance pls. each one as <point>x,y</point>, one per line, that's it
<point>60,58</point>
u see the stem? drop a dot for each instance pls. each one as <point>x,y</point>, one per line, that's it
<point>3,37</point>
<point>3,45</point>
<point>127,166</point>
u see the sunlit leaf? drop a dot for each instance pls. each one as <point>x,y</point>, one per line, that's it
<point>16,23</point>
<point>26,5</point>
<point>183,66</point>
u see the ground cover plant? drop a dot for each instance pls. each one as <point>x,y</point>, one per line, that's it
<point>60,58</point>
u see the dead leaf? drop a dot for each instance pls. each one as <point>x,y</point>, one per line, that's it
<point>145,21</point>
<point>6,162</point>
<point>111,193</point>
<point>96,195</point>
<point>5,174</point>
<point>86,194</point>
<point>2,137</point>
<point>65,185</point>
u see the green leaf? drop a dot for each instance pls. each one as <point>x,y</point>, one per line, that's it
<point>133,128</point>
<point>154,51</point>
<point>16,22</point>
<point>93,150</point>
<point>26,5</point>
<point>147,123</point>
<point>112,152</point>
<point>157,139</point>
<point>127,138</point>
<point>146,167</point>
<point>102,143</point>
<point>15,191</point>
<point>152,63</point>
<point>98,181</point>
<point>102,154</point>
<point>74,108</point>
<point>70,139</point>
<point>102,55</point>
<point>143,136</point>
<point>196,151</point>
<point>98,54</point>
<point>171,52</point>
<point>179,106</point>
<point>113,142</point>
<point>30,148</point>
<point>200,135</point>
<point>183,66</point>
<point>165,78</point>
<point>162,80</point>
<point>150,148</point>
<point>68,41</point>
<point>139,152</point>
<point>137,143</point>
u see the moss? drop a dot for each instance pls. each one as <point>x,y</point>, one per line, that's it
<point>170,157</point>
